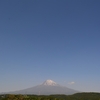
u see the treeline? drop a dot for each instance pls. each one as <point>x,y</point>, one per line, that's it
<point>77,96</point>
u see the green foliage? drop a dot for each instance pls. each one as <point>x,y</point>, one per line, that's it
<point>77,96</point>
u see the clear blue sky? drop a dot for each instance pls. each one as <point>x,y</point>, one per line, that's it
<point>50,39</point>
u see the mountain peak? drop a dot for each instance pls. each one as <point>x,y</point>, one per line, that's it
<point>50,83</point>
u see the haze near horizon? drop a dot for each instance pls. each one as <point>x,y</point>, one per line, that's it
<point>50,39</point>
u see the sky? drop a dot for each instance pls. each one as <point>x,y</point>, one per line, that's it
<point>50,39</point>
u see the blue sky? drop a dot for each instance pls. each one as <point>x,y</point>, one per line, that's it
<point>50,39</point>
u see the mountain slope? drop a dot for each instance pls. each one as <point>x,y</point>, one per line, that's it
<point>47,88</point>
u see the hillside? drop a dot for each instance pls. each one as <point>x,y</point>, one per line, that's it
<point>77,96</point>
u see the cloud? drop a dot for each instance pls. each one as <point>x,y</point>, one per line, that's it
<point>71,83</point>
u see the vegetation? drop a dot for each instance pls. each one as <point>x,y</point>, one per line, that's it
<point>77,96</point>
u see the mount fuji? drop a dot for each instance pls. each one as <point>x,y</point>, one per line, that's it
<point>47,88</point>
<point>50,83</point>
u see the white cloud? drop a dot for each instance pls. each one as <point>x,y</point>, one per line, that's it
<point>71,83</point>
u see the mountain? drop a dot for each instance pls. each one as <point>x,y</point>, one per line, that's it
<point>46,88</point>
<point>50,83</point>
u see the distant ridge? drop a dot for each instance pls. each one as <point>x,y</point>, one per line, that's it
<point>46,88</point>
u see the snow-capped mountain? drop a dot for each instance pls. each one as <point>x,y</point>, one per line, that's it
<point>46,88</point>
<point>50,83</point>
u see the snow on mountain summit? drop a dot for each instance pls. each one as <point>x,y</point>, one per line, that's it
<point>50,83</point>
